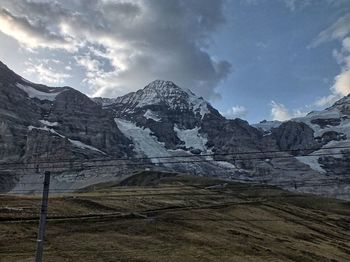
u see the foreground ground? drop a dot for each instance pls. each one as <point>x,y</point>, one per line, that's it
<point>165,217</point>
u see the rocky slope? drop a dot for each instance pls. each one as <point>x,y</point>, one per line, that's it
<point>59,116</point>
<point>40,123</point>
<point>325,133</point>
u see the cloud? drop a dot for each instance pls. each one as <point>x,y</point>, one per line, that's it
<point>30,34</point>
<point>340,31</point>
<point>295,5</point>
<point>235,112</point>
<point>342,83</point>
<point>281,113</point>
<point>326,100</point>
<point>340,88</point>
<point>90,65</point>
<point>45,74</point>
<point>141,40</point>
<point>290,4</point>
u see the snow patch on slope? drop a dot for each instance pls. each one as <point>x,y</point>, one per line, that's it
<point>85,146</point>
<point>48,123</point>
<point>341,125</point>
<point>75,143</point>
<point>149,99</point>
<point>312,162</point>
<point>144,142</point>
<point>34,93</point>
<point>198,103</point>
<point>333,148</point>
<point>333,113</point>
<point>226,165</point>
<point>191,138</point>
<point>148,145</point>
<point>149,114</point>
<point>30,128</point>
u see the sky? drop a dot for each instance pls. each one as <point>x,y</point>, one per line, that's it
<point>253,59</point>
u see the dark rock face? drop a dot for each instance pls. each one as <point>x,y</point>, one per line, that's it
<point>37,121</point>
<point>296,137</point>
<point>7,180</point>
<point>337,166</point>
<point>51,147</point>
<point>330,136</point>
<point>237,136</point>
<point>326,122</point>
<point>81,119</point>
<point>230,136</point>
<point>16,113</point>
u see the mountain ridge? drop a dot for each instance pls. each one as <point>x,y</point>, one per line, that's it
<point>44,123</point>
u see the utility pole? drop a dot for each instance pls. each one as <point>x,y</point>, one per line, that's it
<point>42,223</point>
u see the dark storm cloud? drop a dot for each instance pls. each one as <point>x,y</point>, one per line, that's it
<point>143,40</point>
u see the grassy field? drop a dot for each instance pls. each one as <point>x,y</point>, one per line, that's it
<point>166,217</point>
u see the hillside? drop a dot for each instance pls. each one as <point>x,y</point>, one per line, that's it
<point>175,217</point>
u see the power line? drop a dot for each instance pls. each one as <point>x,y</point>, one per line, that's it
<point>143,215</point>
<point>234,180</point>
<point>210,219</point>
<point>248,184</point>
<point>237,180</point>
<point>70,161</point>
<point>170,162</point>
<point>260,186</point>
<point>124,252</point>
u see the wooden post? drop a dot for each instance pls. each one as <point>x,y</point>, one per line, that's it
<point>42,223</point>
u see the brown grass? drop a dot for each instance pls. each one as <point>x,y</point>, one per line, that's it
<point>177,221</point>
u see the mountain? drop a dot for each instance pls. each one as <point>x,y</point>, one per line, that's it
<point>58,128</point>
<point>57,115</point>
<point>180,119</point>
<point>40,123</point>
<point>318,130</point>
<point>163,119</point>
<point>331,128</point>
<point>266,126</point>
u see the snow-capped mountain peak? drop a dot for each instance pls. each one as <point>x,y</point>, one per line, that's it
<point>172,114</point>
<point>162,86</point>
<point>162,94</point>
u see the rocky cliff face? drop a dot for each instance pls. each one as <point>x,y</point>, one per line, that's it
<point>322,138</point>
<point>295,137</point>
<point>37,121</point>
<point>325,133</point>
